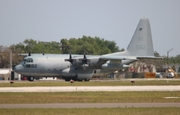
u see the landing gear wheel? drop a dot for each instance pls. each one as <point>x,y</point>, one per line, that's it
<point>30,78</point>
<point>79,80</point>
<point>86,79</point>
<point>67,79</point>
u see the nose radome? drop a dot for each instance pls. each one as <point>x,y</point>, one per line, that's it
<point>17,68</point>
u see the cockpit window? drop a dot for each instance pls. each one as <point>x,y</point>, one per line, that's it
<point>24,61</point>
<point>28,63</point>
<point>28,60</point>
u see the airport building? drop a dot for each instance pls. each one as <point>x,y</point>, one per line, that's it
<point>5,73</point>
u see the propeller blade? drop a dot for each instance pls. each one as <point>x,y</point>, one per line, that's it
<point>70,56</point>
<point>84,54</point>
<point>29,53</point>
<point>43,51</point>
<point>84,60</point>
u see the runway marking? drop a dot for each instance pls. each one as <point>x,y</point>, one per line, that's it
<point>89,88</point>
<point>89,105</point>
<point>171,97</point>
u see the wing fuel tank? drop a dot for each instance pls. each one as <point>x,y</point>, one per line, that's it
<point>114,67</point>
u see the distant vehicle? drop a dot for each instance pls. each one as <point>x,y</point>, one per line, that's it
<point>83,67</point>
<point>170,75</point>
<point>170,72</point>
<point>159,75</point>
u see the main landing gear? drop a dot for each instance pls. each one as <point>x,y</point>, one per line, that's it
<point>68,79</point>
<point>30,78</point>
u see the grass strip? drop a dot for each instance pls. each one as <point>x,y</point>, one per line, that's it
<point>87,97</point>
<point>91,83</point>
<point>93,111</point>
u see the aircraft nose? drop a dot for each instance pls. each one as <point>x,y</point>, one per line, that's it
<point>18,68</point>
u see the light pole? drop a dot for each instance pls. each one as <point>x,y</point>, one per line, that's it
<point>168,55</point>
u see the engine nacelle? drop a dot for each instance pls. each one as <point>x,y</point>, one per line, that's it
<point>101,72</point>
<point>69,72</point>
<point>90,62</point>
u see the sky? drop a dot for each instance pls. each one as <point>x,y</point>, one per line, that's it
<point>114,20</point>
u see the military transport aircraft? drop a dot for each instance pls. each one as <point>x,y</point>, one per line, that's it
<point>82,67</point>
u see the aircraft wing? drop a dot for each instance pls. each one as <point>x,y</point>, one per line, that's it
<point>149,57</point>
<point>128,57</point>
<point>118,58</point>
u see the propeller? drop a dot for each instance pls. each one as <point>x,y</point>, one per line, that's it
<point>84,60</point>
<point>70,59</point>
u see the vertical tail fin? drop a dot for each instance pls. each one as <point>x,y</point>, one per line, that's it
<point>141,43</point>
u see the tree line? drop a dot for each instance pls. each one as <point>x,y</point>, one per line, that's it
<point>89,45</point>
<point>92,45</point>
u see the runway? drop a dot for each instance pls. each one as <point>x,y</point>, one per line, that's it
<point>89,105</point>
<point>89,88</point>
